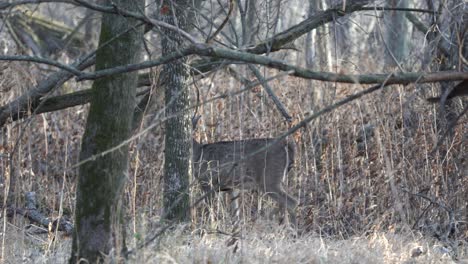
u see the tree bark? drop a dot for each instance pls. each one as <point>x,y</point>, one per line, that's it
<point>175,75</point>
<point>323,58</point>
<point>98,216</point>
<point>398,34</point>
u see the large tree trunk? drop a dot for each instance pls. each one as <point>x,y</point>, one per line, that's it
<point>178,157</point>
<point>101,178</point>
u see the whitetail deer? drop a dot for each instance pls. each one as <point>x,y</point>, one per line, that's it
<point>460,89</point>
<point>246,164</point>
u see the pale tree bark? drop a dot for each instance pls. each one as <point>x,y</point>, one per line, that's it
<point>322,37</point>
<point>321,46</point>
<point>397,33</point>
<point>251,29</point>
<point>98,216</point>
<point>310,51</point>
<point>175,76</point>
<point>318,57</point>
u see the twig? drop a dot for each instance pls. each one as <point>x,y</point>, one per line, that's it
<point>424,29</point>
<point>75,71</point>
<point>231,7</point>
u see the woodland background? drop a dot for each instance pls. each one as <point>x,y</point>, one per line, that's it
<point>375,178</point>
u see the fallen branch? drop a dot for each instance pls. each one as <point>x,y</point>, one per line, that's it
<point>33,214</point>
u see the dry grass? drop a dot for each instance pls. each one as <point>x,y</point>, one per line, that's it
<point>268,243</point>
<point>263,243</point>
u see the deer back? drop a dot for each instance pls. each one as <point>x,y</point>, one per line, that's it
<point>230,164</point>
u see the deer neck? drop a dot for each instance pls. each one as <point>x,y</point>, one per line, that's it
<point>197,149</point>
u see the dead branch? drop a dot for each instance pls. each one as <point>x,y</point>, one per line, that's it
<point>231,7</point>
<point>33,214</point>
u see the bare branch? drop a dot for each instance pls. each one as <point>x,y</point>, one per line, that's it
<point>57,64</point>
<point>116,10</point>
<point>6,5</point>
<point>320,18</point>
<point>20,106</point>
<point>270,92</point>
<point>138,66</point>
<point>231,7</point>
<point>17,108</point>
<point>424,29</point>
<point>206,50</point>
<point>60,102</point>
<point>105,9</point>
<point>403,9</point>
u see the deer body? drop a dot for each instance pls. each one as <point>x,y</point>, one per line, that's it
<point>235,165</point>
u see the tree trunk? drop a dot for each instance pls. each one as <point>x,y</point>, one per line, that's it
<point>98,216</point>
<point>178,157</point>
<point>398,33</point>
<point>252,26</point>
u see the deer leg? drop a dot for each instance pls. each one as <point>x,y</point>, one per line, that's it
<point>209,183</point>
<point>233,241</point>
<point>209,194</point>
<point>208,197</point>
<point>286,203</point>
<point>234,196</point>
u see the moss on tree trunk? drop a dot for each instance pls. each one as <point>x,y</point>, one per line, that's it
<point>101,179</point>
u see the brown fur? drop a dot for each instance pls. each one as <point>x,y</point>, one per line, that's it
<point>234,164</point>
<point>460,89</point>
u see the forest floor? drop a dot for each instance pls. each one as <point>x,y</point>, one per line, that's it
<point>260,243</point>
